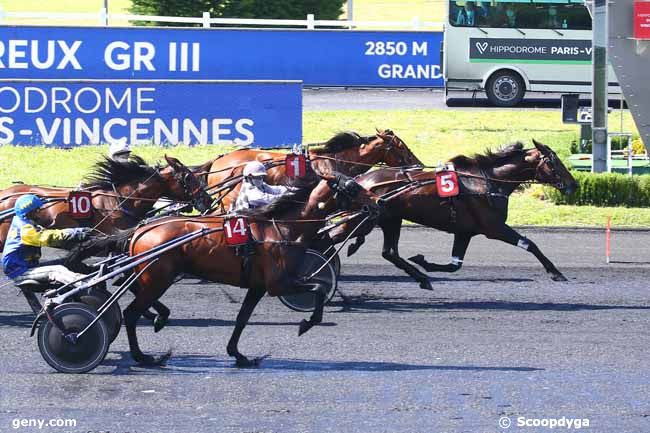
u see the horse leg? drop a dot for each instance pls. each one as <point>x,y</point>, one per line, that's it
<point>390,252</point>
<point>251,300</point>
<point>320,290</point>
<point>509,235</point>
<point>131,315</point>
<point>159,320</point>
<point>461,242</point>
<point>354,246</point>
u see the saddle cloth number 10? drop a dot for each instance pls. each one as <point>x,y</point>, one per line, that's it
<point>447,183</point>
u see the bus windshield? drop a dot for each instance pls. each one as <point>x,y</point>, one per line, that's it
<point>549,14</point>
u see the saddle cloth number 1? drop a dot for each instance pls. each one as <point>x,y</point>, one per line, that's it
<point>80,204</point>
<point>447,183</point>
<point>295,166</point>
<point>236,231</point>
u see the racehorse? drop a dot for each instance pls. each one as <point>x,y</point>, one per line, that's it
<point>122,194</point>
<point>279,236</point>
<point>485,181</point>
<point>347,153</point>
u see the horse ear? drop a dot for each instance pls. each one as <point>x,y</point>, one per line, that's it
<point>542,148</point>
<point>173,162</point>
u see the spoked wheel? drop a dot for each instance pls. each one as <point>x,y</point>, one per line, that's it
<point>306,302</point>
<point>336,261</point>
<point>61,351</point>
<point>112,318</point>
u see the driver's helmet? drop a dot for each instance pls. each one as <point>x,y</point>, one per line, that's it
<point>27,203</point>
<point>119,151</point>
<point>254,169</point>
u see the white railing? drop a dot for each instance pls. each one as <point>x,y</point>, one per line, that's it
<point>104,19</point>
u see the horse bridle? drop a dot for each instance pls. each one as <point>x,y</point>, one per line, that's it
<point>192,192</point>
<point>551,161</point>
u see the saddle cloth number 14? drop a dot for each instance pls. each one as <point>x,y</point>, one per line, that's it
<point>236,231</point>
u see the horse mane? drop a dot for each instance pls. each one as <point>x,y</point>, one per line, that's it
<point>107,173</point>
<point>490,158</point>
<point>341,141</point>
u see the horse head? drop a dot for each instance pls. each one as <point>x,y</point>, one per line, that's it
<point>549,169</point>
<point>183,185</point>
<point>391,150</point>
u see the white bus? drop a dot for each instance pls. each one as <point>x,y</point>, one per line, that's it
<point>508,48</point>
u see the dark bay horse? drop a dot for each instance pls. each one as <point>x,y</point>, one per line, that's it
<point>486,182</point>
<point>281,232</point>
<point>122,194</point>
<point>347,153</point>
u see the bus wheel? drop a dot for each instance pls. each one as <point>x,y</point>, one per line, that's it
<point>505,89</point>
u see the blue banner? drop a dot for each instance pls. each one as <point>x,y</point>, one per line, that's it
<point>71,113</point>
<point>317,57</point>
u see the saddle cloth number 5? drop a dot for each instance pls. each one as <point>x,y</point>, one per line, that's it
<point>447,183</point>
<point>236,231</point>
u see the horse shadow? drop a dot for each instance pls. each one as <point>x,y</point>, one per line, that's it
<point>407,279</point>
<point>191,364</point>
<point>367,304</point>
<point>19,319</point>
<point>210,322</point>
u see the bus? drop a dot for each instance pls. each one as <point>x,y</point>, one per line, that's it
<point>509,48</point>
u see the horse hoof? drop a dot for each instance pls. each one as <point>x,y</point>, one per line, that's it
<point>243,362</point>
<point>159,322</point>
<point>305,326</point>
<point>152,361</point>
<point>418,259</point>
<point>559,277</point>
<point>352,248</point>
<point>426,285</point>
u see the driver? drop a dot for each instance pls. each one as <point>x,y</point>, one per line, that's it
<point>119,152</point>
<point>22,250</point>
<point>254,191</point>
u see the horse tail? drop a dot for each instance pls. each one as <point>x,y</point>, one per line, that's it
<point>97,246</point>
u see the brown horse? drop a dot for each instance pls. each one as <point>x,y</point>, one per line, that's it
<point>122,194</point>
<point>486,182</point>
<point>280,234</point>
<point>347,153</point>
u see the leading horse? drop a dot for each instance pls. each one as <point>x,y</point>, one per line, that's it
<point>280,234</point>
<point>486,183</point>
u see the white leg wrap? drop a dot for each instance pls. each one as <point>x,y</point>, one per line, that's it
<point>523,244</point>
<point>456,261</point>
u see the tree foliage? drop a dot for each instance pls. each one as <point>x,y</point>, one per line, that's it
<point>270,9</point>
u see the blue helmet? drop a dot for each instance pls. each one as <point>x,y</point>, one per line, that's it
<point>27,203</point>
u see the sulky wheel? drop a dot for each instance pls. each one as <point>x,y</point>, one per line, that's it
<point>112,318</point>
<point>305,302</point>
<point>61,351</point>
<point>336,261</point>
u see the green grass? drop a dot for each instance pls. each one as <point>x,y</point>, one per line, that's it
<point>434,135</point>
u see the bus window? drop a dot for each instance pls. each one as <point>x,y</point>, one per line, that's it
<point>549,14</point>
